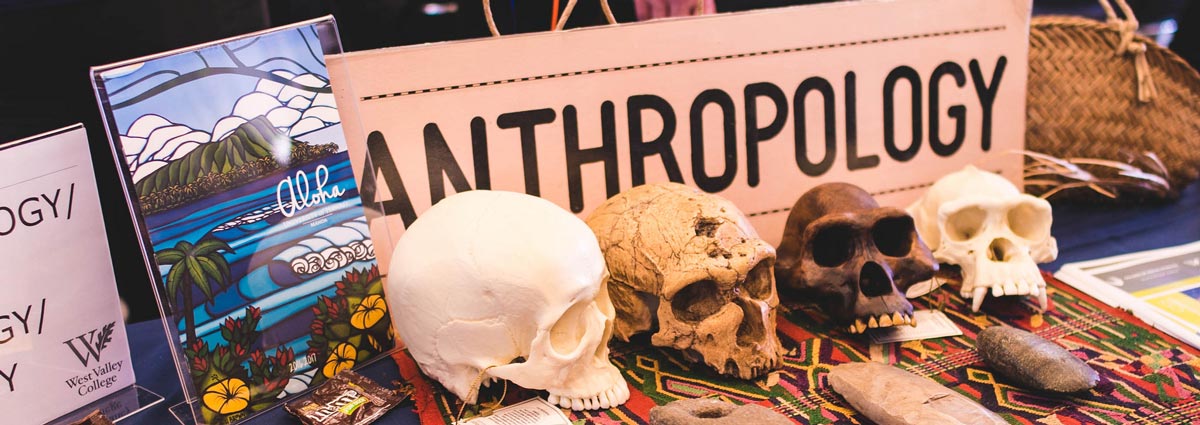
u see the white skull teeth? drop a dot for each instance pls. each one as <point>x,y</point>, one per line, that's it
<point>1004,279</point>
<point>882,321</point>
<point>609,398</point>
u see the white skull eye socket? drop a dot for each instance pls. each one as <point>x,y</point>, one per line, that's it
<point>698,301</point>
<point>831,245</point>
<point>567,334</point>
<point>758,281</point>
<point>965,223</point>
<point>1028,220</point>
<point>893,236</point>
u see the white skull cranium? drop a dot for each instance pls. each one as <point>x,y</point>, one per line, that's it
<point>980,222</point>
<point>484,279</point>
<point>688,266</point>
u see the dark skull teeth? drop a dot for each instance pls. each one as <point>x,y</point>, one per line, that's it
<point>882,321</point>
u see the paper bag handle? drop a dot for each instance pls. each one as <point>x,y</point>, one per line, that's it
<point>491,22</point>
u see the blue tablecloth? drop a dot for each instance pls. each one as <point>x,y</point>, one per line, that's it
<point>1083,232</point>
<point>1088,232</point>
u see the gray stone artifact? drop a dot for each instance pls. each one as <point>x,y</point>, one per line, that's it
<point>889,395</point>
<point>707,411</point>
<point>1031,361</point>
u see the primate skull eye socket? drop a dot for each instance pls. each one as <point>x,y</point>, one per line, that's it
<point>1029,221</point>
<point>698,301</point>
<point>964,224</point>
<point>759,281</point>
<point>893,236</point>
<point>832,245</point>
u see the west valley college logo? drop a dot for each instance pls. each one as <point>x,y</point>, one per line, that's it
<point>92,343</point>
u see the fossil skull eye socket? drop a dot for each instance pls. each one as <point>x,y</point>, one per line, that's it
<point>832,245</point>
<point>893,236</point>
<point>964,224</point>
<point>1028,220</point>
<point>758,281</point>
<point>698,301</point>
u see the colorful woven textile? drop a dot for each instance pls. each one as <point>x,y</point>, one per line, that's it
<point>1146,377</point>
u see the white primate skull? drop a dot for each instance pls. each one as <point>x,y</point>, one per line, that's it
<point>687,266</point>
<point>980,222</point>
<point>486,279</point>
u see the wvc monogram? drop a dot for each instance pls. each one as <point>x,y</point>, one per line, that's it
<point>87,347</point>
<point>92,343</point>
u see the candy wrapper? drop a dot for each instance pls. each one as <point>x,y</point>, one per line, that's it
<point>346,399</point>
<point>95,418</point>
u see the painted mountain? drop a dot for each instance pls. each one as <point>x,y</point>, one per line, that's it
<point>254,149</point>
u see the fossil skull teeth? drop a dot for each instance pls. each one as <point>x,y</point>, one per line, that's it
<point>881,321</point>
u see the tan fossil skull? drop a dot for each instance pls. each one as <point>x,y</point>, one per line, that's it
<point>687,266</point>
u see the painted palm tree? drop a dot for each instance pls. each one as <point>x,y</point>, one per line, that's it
<point>201,265</point>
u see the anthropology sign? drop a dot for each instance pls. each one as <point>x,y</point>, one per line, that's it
<point>62,340</point>
<point>757,107</point>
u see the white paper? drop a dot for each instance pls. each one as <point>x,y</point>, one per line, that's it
<point>1092,265</point>
<point>1158,286</point>
<point>535,411</point>
<point>62,340</point>
<point>930,324</point>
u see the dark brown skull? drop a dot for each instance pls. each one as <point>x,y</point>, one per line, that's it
<point>852,257</point>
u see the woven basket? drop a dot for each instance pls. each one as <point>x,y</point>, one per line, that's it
<point>1089,97</point>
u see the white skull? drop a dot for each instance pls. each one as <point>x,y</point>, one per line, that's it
<point>688,267</point>
<point>484,279</point>
<point>980,222</point>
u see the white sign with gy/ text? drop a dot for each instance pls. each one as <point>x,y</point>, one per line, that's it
<point>62,340</point>
<point>757,107</point>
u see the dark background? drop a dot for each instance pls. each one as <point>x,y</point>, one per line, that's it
<point>47,47</point>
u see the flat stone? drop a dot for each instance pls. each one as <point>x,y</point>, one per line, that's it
<point>707,411</point>
<point>1033,362</point>
<point>888,395</point>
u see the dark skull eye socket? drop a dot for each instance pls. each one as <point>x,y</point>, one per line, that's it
<point>893,236</point>
<point>698,301</point>
<point>758,281</point>
<point>831,245</point>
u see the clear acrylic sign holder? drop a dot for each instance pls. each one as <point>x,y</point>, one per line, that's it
<point>235,167</point>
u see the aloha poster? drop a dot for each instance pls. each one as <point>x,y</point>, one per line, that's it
<point>237,166</point>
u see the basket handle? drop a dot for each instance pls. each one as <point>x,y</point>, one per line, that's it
<point>1127,46</point>
<point>491,22</point>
